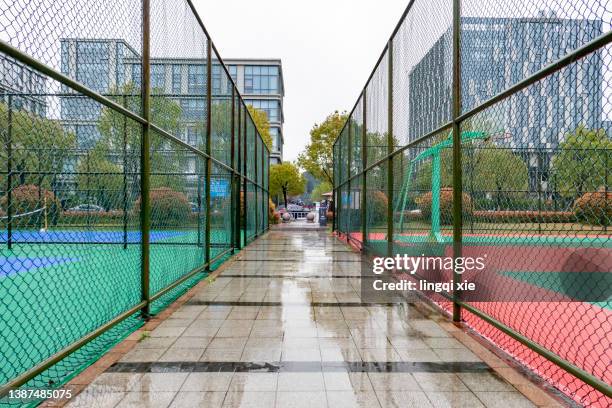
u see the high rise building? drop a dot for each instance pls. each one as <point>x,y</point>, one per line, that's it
<point>25,86</point>
<point>106,65</point>
<point>499,52</point>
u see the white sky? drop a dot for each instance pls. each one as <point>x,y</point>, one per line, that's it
<point>328,48</point>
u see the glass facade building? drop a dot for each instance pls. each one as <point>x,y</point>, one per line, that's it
<point>25,86</point>
<point>261,84</point>
<point>105,64</point>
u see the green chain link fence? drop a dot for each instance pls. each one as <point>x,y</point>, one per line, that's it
<point>130,168</point>
<point>485,128</point>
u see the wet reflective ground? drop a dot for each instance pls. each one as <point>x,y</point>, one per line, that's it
<point>285,326</point>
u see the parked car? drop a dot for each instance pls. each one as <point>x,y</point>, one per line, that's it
<point>194,207</point>
<point>88,208</point>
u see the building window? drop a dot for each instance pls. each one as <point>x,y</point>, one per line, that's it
<point>275,135</point>
<point>92,64</point>
<point>233,70</point>
<point>196,80</point>
<point>158,77</point>
<point>193,109</point>
<point>87,136</point>
<point>193,135</point>
<point>271,107</point>
<point>136,75</point>
<point>176,79</point>
<point>261,79</point>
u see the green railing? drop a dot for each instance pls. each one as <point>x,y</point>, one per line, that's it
<point>485,130</point>
<point>130,168</point>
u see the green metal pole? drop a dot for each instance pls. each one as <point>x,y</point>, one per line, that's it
<point>256,160</point>
<point>238,182</point>
<point>233,176</point>
<point>245,141</point>
<point>390,147</point>
<point>364,163</point>
<point>435,195</point>
<point>348,183</point>
<point>145,160</point>
<point>9,176</point>
<point>125,182</point>
<point>457,177</point>
<point>208,150</point>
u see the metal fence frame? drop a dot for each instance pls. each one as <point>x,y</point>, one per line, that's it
<point>237,170</point>
<point>454,124</point>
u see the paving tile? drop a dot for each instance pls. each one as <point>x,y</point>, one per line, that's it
<point>393,382</point>
<point>254,382</point>
<point>207,382</point>
<point>439,382</point>
<point>301,354</point>
<point>198,400</point>
<point>250,399</point>
<point>352,399</point>
<point>155,382</point>
<point>191,342</point>
<point>221,355</point>
<point>485,382</point>
<point>454,400</point>
<point>146,400</point>
<point>143,355</point>
<point>301,399</point>
<point>90,398</point>
<point>114,382</point>
<point>504,400</point>
<point>182,354</point>
<point>403,399</point>
<point>301,382</point>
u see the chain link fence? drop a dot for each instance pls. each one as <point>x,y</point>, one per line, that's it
<point>129,168</point>
<point>485,130</point>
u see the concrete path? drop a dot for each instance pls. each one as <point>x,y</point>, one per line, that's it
<point>284,326</point>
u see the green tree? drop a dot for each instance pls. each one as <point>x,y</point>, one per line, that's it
<point>318,158</point>
<point>121,136</point>
<point>38,144</point>
<point>581,162</point>
<point>285,179</point>
<point>260,118</point>
<point>319,190</point>
<point>101,180</point>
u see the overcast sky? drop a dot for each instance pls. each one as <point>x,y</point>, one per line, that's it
<point>326,50</point>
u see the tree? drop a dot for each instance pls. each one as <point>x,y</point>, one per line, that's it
<point>101,180</point>
<point>260,118</point>
<point>37,144</point>
<point>121,136</point>
<point>582,162</point>
<point>318,158</point>
<point>285,179</point>
<point>319,190</point>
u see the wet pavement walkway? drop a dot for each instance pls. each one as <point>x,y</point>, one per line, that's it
<point>283,325</point>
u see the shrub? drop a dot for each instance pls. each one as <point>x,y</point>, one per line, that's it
<point>594,208</point>
<point>376,206</point>
<point>273,217</point>
<point>25,199</point>
<point>168,207</point>
<point>524,216</point>
<point>446,205</point>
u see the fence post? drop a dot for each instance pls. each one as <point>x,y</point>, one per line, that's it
<point>390,148</point>
<point>364,164</point>
<point>244,178</point>
<point>348,181</point>
<point>238,182</point>
<point>9,176</point>
<point>125,192</point>
<point>207,176</point>
<point>232,185</point>
<point>145,159</point>
<point>255,179</point>
<point>457,177</point>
